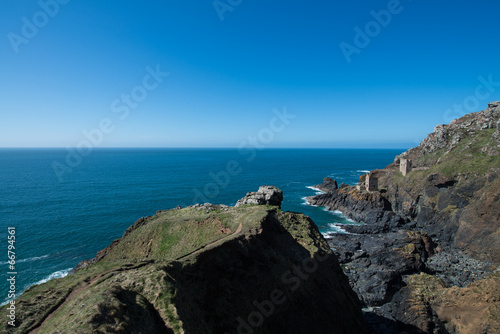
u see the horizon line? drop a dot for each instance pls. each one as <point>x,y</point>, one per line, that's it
<point>204,147</point>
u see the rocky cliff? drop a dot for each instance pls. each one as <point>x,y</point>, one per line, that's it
<point>430,226</point>
<point>203,269</point>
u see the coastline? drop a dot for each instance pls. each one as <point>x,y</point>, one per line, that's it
<point>430,225</point>
<point>64,226</point>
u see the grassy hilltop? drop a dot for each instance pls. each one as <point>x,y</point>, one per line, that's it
<point>201,269</point>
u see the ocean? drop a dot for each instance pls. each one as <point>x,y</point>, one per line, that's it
<point>66,206</point>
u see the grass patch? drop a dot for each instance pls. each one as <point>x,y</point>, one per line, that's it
<point>175,233</point>
<point>465,157</point>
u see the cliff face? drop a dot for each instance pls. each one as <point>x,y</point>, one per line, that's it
<point>452,191</point>
<point>203,269</point>
<point>441,219</point>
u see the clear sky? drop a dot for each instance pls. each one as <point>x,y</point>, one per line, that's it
<point>353,73</point>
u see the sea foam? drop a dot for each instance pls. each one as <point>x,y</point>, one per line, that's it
<point>54,275</point>
<point>363,171</point>
<point>318,192</point>
<point>30,259</point>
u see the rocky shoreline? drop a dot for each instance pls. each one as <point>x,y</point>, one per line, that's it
<point>378,259</point>
<point>428,232</point>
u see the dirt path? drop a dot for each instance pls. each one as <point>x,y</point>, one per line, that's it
<point>83,287</point>
<point>238,230</point>
<point>69,297</point>
<point>75,293</point>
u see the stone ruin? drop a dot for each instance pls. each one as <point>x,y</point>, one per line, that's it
<point>371,182</point>
<point>404,166</point>
<point>368,182</point>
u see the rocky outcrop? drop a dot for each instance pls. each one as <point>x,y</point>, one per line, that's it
<point>327,185</point>
<point>266,195</point>
<point>375,264</point>
<point>429,305</point>
<point>369,207</point>
<point>446,138</point>
<point>440,221</point>
<point>203,269</point>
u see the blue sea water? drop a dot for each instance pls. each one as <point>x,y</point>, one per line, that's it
<point>64,215</point>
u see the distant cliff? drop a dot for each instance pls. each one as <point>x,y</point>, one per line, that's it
<point>457,198</point>
<point>452,190</point>
<point>203,269</point>
<point>433,213</point>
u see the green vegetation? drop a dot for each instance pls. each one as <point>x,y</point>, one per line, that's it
<point>465,157</point>
<point>173,234</point>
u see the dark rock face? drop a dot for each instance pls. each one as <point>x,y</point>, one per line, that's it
<point>371,208</point>
<point>411,313</point>
<point>131,305</point>
<point>235,271</point>
<point>266,195</point>
<point>376,263</point>
<point>327,185</point>
<point>379,256</point>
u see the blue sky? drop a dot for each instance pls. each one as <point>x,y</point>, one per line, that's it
<point>226,77</point>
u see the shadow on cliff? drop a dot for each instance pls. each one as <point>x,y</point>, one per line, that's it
<point>377,324</point>
<point>265,282</point>
<point>126,310</point>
